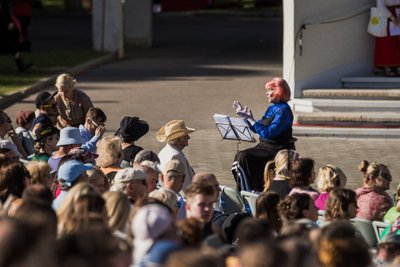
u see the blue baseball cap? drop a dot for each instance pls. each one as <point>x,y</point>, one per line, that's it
<point>71,170</point>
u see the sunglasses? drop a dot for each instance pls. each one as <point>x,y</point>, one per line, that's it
<point>96,124</point>
<point>49,106</point>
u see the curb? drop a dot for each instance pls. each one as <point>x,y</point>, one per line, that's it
<point>307,131</point>
<point>10,99</point>
<point>266,12</point>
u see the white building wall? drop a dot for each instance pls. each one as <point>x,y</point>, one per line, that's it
<point>330,51</point>
<point>107,25</point>
<point>117,23</point>
<point>138,22</point>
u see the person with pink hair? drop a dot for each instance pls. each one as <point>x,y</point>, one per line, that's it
<point>275,131</point>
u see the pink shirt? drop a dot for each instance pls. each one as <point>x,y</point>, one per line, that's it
<point>320,202</point>
<point>371,204</point>
<point>314,195</point>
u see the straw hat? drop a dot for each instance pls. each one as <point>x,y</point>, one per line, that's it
<point>172,130</point>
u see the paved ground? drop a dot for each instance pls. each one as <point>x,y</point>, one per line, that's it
<point>198,66</point>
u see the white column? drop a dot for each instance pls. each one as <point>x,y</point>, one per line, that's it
<point>330,51</point>
<point>107,26</point>
<point>138,22</point>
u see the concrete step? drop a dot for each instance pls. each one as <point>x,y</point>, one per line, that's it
<point>346,132</point>
<point>371,82</point>
<point>348,119</point>
<point>348,93</point>
<point>365,107</point>
<point>344,105</point>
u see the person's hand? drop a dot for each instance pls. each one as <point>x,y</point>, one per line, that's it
<point>100,130</point>
<point>10,26</point>
<point>11,133</point>
<point>13,136</point>
<point>240,110</point>
<point>243,112</point>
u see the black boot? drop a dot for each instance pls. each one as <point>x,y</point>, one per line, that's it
<point>21,65</point>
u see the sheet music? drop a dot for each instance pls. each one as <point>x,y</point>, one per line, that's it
<point>233,128</point>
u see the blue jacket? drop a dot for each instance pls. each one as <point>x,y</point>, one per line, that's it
<point>282,120</point>
<point>90,139</point>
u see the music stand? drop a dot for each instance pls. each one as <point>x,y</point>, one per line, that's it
<point>232,128</point>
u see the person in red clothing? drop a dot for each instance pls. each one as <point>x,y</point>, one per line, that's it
<point>10,35</point>
<point>387,49</point>
<point>372,200</point>
<point>22,10</point>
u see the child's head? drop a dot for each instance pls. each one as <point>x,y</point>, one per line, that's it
<point>46,138</point>
<point>302,172</point>
<point>297,206</point>
<point>98,179</point>
<point>341,204</point>
<point>330,177</point>
<point>376,175</point>
<point>94,118</point>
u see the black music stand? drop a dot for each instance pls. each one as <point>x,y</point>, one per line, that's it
<point>232,128</point>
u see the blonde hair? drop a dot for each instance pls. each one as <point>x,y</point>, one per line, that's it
<point>280,166</point>
<point>96,173</point>
<point>118,210</point>
<point>39,171</point>
<point>371,171</point>
<point>65,80</point>
<point>67,208</point>
<point>330,177</point>
<point>109,150</point>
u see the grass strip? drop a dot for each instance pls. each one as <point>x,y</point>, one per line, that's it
<point>45,65</point>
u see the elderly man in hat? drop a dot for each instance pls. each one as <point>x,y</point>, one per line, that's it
<point>73,104</point>
<point>150,168</point>
<point>176,135</point>
<point>46,111</point>
<point>131,182</point>
<point>130,130</point>
<point>172,179</point>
